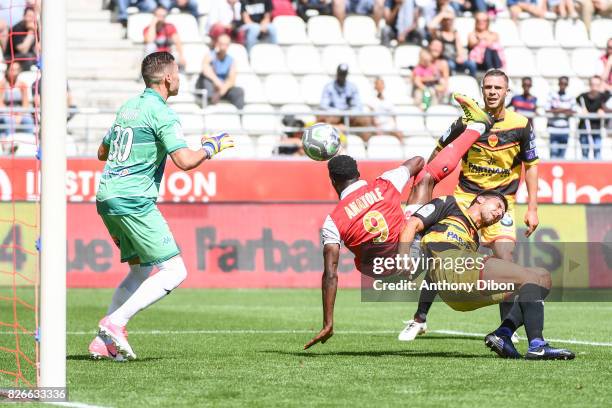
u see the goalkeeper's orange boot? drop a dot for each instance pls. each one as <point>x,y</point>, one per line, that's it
<point>472,112</point>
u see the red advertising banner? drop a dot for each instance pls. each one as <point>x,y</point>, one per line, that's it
<point>291,180</point>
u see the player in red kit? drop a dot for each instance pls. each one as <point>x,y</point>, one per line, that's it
<point>371,213</point>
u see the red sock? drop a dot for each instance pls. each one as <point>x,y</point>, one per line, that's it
<point>448,158</point>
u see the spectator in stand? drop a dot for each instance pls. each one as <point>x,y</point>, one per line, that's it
<point>401,18</point>
<point>224,18</point>
<point>23,46</point>
<point>371,8</point>
<point>185,6</point>
<point>562,105</point>
<point>11,11</point>
<point>485,48</point>
<point>343,95</point>
<point>384,108</point>
<point>607,64</point>
<point>436,48</point>
<point>144,6</point>
<point>218,76</point>
<point>429,87</point>
<point>454,53</point>
<point>563,8</point>
<point>14,95</point>
<point>593,101</point>
<point>461,6</point>
<point>4,36</point>
<point>525,104</point>
<point>161,36</point>
<point>536,8</point>
<point>588,8</point>
<point>311,8</point>
<point>291,142</point>
<point>257,19</point>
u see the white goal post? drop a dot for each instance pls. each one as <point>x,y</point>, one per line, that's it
<point>52,329</point>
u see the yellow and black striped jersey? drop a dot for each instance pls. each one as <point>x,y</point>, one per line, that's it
<point>494,160</point>
<point>446,226</point>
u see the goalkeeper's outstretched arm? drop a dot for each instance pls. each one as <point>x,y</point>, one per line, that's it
<point>187,159</point>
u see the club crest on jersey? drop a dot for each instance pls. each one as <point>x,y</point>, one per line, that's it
<point>493,139</point>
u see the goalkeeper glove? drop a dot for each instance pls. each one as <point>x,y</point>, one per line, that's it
<point>217,143</point>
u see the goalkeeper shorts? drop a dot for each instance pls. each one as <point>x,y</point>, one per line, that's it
<point>143,235</point>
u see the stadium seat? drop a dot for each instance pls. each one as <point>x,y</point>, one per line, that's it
<point>553,62</point>
<point>194,55</point>
<point>241,57</point>
<point>325,30</point>
<point>300,111</point>
<point>253,88</point>
<point>355,147</point>
<point>601,30</point>
<point>439,117</point>
<point>260,119</point>
<point>291,30</point>
<point>72,147</point>
<point>376,60</point>
<point>282,88</point>
<point>419,146</point>
<point>464,26</point>
<point>520,62</point>
<point>397,90</point>
<point>385,147</point>
<point>406,56</point>
<point>364,85</point>
<point>304,59</point>
<point>537,32</point>
<point>183,107</point>
<point>265,146</point>
<point>572,34</point>
<point>221,117</point>
<point>136,26</point>
<point>411,123</point>
<point>464,84</point>
<point>268,59</point>
<point>334,55</point>
<point>577,86</point>
<point>360,30</point>
<point>244,148</point>
<point>508,32</point>
<point>540,89</point>
<point>187,27</point>
<point>312,88</point>
<point>586,62</point>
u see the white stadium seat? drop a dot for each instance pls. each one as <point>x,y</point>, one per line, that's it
<point>439,117</point>
<point>291,30</point>
<point>325,30</point>
<point>553,62</point>
<point>540,89</point>
<point>577,86</point>
<point>508,32</point>
<point>312,88</point>
<point>464,84</point>
<point>397,89</point>
<point>221,117</point>
<point>537,32</point>
<point>586,62</point>
<point>355,147</point>
<point>334,55</point>
<point>572,34</point>
<point>265,146</point>
<point>520,62</point>
<point>282,88</point>
<point>268,59</point>
<point>412,122</point>
<point>241,57</point>
<point>25,143</point>
<point>300,111</point>
<point>136,25</point>
<point>191,122</point>
<point>464,26</point>
<point>360,30</point>
<point>375,60</point>
<point>304,59</point>
<point>253,88</point>
<point>385,147</point>
<point>601,31</point>
<point>194,54</point>
<point>260,119</point>
<point>364,85</point>
<point>406,56</point>
<point>419,146</point>
<point>244,148</point>
<point>187,27</point>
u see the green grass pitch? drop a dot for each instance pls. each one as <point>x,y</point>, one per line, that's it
<point>244,348</point>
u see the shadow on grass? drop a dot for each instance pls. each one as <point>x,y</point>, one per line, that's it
<point>377,353</point>
<point>86,357</point>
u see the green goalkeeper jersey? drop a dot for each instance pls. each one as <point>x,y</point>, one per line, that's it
<point>145,131</point>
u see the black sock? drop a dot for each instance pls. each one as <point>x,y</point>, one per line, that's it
<point>426,299</point>
<point>504,309</point>
<point>531,301</point>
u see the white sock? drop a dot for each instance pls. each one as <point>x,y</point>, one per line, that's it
<point>171,273</point>
<point>128,286</point>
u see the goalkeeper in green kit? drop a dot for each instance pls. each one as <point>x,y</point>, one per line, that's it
<point>135,148</point>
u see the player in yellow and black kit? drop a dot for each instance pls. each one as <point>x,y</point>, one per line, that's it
<point>494,162</point>
<point>467,280</point>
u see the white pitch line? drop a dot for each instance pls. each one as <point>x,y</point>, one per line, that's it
<point>241,331</point>
<point>74,404</point>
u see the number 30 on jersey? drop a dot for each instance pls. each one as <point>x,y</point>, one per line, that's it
<point>121,144</point>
